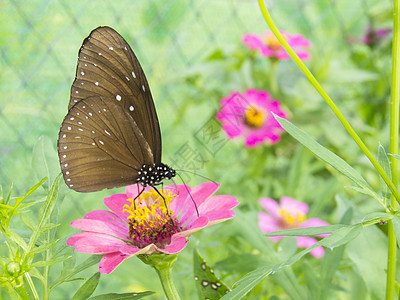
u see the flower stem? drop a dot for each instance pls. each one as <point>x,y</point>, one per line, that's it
<point>394,149</point>
<point>329,101</point>
<point>163,263</point>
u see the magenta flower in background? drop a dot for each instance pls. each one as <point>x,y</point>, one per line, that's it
<point>289,214</point>
<point>250,115</point>
<point>269,46</point>
<point>145,225</point>
<point>373,36</point>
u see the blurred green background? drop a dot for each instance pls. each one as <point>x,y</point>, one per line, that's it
<point>192,54</point>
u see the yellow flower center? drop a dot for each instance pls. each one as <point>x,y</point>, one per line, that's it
<point>150,219</point>
<point>254,117</point>
<point>272,42</point>
<point>291,219</point>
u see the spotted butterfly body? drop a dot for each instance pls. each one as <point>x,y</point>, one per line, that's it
<point>111,135</point>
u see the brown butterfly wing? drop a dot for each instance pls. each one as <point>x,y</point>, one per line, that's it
<point>101,146</point>
<point>108,67</point>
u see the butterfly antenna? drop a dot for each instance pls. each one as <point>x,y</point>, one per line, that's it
<point>194,173</point>
<point>195,205</point>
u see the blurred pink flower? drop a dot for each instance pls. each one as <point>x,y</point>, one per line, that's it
<point>269,46</point>
<point>287,215</point>
<point>147,224</point>
<point>250,115</point>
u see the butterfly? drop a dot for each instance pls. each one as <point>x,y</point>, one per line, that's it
<point>110,136</point>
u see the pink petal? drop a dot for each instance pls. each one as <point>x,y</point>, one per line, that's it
<point>96,243</point>
<point>220,216</point>
<point>200,193</point>
<point>252,41</point>
<point>303,55</point>
<point>218,203</point>
<point>110,261</point>
<point>116,204</point>
<point>271,206</point>
<point>112,225</point>
<point>268,223</point>
<point>292,204</point>
<point>233,131</point>
<point>305,242</point>
<point>315,222</point>
<point>298,40</point>
<point>177,244</point>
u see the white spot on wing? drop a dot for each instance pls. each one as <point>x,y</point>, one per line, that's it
<point>107,132</point>
<point>90,114</point>
<point>96,83</point>
<point>133,74</point>
<point>131,108</point>
<point>111,48</point>
<point>118,97</point>
<point>69,127</point>
<point>72,118</point>
<point>82,73</point>
<point>64,136</point>
<point>99,53</point>
<point>143,88</point>
<point>65,147</point>
<point>127,78</point>
<point>101,142</point>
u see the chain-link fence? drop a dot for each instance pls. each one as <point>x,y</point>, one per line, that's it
<point>40,39</point>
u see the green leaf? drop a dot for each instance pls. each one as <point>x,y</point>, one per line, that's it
<point>66,274</point>
<point>49,262</point>
<point>88,288</point>
<point>384,162</point>
<point>307,231</point>
<point>125,296</point>
<point>330,265</point>
<point>327,156</point>
<point>45,160</point>
<point>208,286</point>
<point>396,228</point>
<point>248,282</point>
<point>338,237</point>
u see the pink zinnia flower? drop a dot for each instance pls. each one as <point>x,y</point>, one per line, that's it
<point>269,46</point>
<point>250,115</point>
<point>146,224</point>
<point>287,215</point>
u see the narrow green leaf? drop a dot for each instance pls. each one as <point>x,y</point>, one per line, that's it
<point>248,282</point>
<point>44,213</point>
<point>125,296</point>
<point>396,228</point>
<point>384,162</point>
<point>49,262</point>
<point>327,156</point>
<point>88,288</point>
<point>338,237</point>
<point>28,222</point>
<point>64,276</point>
<point>330,265</point>
<point>307,231</point>
<point>43,247</point>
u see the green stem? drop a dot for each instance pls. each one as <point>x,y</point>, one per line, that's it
<point>329,101</point>
<point>394,149</point>
<point>28,278</point>
<point>163,263</point>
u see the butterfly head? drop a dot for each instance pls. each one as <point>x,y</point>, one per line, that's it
<point>154,174</point>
